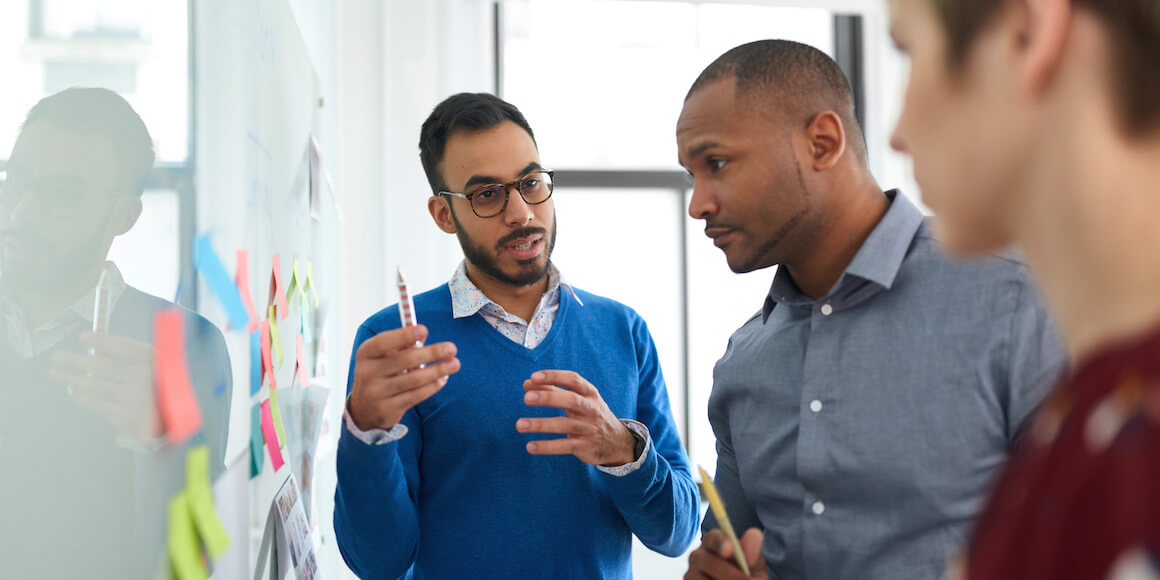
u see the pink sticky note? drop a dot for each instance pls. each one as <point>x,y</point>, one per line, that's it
<point>300,366</point>
<point>180,413</point>
<point>277,291</point>
<point>271,436</point>
<point>242,278</point>
<point>267,360</point>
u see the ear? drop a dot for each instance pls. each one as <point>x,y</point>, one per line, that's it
<point>827,139</point>
<point>1044,26</point>
<point>125,213</point>
<point>440,210</point>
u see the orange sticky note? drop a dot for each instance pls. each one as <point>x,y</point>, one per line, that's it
<point>271,436</point>
<point>242,277</point>
<point>180,413</point>
<point>277,293</point>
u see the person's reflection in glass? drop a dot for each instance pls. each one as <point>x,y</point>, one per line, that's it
<point>89,469</point>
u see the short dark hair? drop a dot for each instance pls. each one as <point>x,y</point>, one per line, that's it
<point>462,112</point>
<point>1133,28</point>
<point>102,113</point>
<point>803,80</point>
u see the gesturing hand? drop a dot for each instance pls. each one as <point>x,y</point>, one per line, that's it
<point>593,434</point>
<point>116,381</point>
<point>388,379</point>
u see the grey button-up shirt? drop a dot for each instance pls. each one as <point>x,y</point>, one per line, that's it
<point>862,430</point>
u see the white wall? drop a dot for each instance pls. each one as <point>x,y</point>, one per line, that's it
<point>394,60</point>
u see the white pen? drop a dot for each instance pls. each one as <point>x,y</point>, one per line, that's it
<point>101,307</point>
<point>406,306</point>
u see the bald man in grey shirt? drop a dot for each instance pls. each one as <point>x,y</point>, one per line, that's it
<point>862,414</point>
<point>862,430</point>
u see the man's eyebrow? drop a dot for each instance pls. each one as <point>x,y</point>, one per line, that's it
<point>701,148</point>
<point>491,179</point>
<point>486,179</point>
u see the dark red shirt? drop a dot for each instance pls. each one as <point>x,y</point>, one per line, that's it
<point>1081,497</point>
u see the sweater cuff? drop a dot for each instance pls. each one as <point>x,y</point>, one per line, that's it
<point>640,432</point>
<point>371,436</point>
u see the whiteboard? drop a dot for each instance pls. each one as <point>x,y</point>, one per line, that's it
<point>257,105</point>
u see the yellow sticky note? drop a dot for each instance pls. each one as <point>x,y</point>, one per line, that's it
<point>277,416</point>
<point>275,336</point>
<point>310,282</point>
<point>200,497</point>
<point>184,551</point>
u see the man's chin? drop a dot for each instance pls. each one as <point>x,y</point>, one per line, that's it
<point>528,272</point>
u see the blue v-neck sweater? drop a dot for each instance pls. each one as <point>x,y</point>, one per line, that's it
<point>460,497</point>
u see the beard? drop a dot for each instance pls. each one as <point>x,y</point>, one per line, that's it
<point>50,267</point>
<point>487,262</point>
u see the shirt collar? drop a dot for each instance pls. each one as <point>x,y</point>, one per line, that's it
<point>28,342</point>
<point>467,298</point>
<point>881,255</point>
<point>84,305</point>
<point>114,281</point>
<point>878,260</point>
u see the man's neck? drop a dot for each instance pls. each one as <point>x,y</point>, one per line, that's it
<point>839,239</point>
<point>1089,230</point>
<point>518,300</point>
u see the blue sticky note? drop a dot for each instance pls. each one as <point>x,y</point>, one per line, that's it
<point>307,326</point>
<point>219,282</point>
<point>256,441</point>
<point>255,362</point>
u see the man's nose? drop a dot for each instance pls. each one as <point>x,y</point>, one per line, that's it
<point>702,203</point>
<point>518,212</point>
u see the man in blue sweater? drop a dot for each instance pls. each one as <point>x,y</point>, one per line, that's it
<point>444,469</point>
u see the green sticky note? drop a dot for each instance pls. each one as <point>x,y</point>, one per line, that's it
<point>200,497</point>
<point>184,551</point>
<point>275,336</point>
<point>256,458</point>
<point>277,416</point>
<point>295,280</point>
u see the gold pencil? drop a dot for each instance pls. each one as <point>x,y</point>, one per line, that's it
<point>718,508</point>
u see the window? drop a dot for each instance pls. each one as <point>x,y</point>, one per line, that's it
<point>622,198</point>
<point>140,49</point>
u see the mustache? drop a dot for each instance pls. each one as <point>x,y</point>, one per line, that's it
<point>722,225</point>
<point>520,233</point>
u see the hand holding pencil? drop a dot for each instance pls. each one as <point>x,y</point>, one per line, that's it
<point>722,555</point>
<point>394,371</point>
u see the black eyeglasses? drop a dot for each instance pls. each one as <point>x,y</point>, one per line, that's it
<point>490,200</point>
<point>59,196</point>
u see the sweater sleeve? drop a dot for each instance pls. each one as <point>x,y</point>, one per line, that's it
<point>659,501</point>
<point>375,501</point>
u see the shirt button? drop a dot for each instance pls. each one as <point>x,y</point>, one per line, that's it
<point>819,508</point>
<point>816,406</point>
<point>827,309</point>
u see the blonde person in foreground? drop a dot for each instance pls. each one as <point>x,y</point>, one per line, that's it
<point>1037,123</point>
